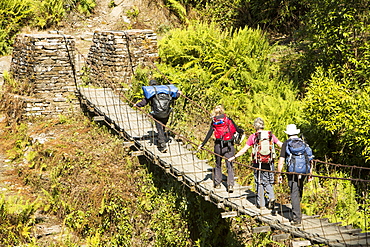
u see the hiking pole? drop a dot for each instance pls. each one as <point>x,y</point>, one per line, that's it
<point>259,182</point>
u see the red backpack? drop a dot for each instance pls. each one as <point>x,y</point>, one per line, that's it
<point>223,128</point>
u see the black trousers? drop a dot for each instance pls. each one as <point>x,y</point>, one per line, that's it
<point>296,183</point>
<point>161,130</point>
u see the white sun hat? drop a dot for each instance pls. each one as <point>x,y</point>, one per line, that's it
<point>291,129</point>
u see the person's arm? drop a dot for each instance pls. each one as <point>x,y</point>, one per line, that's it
<point>248,144</point>
<point>280,168</point>
<point>209,134</point>
<point>240,153</point>
<point>142,103</point>
<point>281,161</point>
<point>310,178</point>
<point>276,141</point>
<point>178,93</point>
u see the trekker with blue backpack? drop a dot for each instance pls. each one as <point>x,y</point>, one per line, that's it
<point>160,98</point>
<point>263,156</point>
<point>297,156</point>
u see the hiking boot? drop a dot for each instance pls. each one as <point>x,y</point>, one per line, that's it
<point>295,223</point>
<point>162,148</point>
<point>271,204</point>
<point>217,186</point>
<point>230,189</point>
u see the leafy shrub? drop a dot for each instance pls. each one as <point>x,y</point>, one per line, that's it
<point>340,205</point>
<point>48,13</point>
<point>336,34</point>
<point>85,7</point>
<point>17,218</point>
<point>338,112</point>
<point>178,9</point>
<point>232,68</point>
<point>15,14</point>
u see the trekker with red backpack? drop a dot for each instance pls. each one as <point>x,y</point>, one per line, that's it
<point>223,129</point>
<point>263,156</point>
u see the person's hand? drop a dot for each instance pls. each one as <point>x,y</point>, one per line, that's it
<point>134,105</point>
<point>310,178</point>
<point>231,159</point>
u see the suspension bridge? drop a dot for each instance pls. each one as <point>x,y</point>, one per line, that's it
<point>138,129</point>
<point>110,103</point>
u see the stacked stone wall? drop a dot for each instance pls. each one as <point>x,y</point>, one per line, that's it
<point>44,61</point>
<point>115,55</point>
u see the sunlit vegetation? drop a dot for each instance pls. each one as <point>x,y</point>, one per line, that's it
<point>39,14</point>
<point>317,78</point>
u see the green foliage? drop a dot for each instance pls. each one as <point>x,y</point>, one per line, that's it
<point>112,4</point>
<point>166,217</point>
<point>16,220</point>
<point>48,13</point>
<point>14,14</point>
<point>133,13</point>
<point>178,9</point>
<point>339,114</point>
<point>338,35</point>
<point>278,16</point>
<point>21,141</point>
<point>340,205</point>
<point>20,87</point>
<point>100,193</point>
<point>232,68</point>
<point>85,7</point>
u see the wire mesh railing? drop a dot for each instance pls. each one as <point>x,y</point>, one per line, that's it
<point>112,100</point>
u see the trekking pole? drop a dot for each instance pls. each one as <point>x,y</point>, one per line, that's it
<point>259,182</point>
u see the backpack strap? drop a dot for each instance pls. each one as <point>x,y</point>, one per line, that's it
<point>156,96</point>
<point>169,94</point>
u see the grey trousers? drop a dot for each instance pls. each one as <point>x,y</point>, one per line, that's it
<point>224,149</point>
<point>264,185</point>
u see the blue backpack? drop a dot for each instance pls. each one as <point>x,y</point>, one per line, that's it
<point>299,155</point>
<point>162,98</point>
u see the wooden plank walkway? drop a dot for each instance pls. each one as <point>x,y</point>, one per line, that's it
<point>197,174</point>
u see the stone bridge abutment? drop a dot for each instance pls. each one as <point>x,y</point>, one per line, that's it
<point>51,66</point>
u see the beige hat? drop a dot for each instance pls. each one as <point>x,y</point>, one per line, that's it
<point>291,129</point>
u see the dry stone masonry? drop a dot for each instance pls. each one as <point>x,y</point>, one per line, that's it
<point>45,62</point>
<point>115,55</point>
